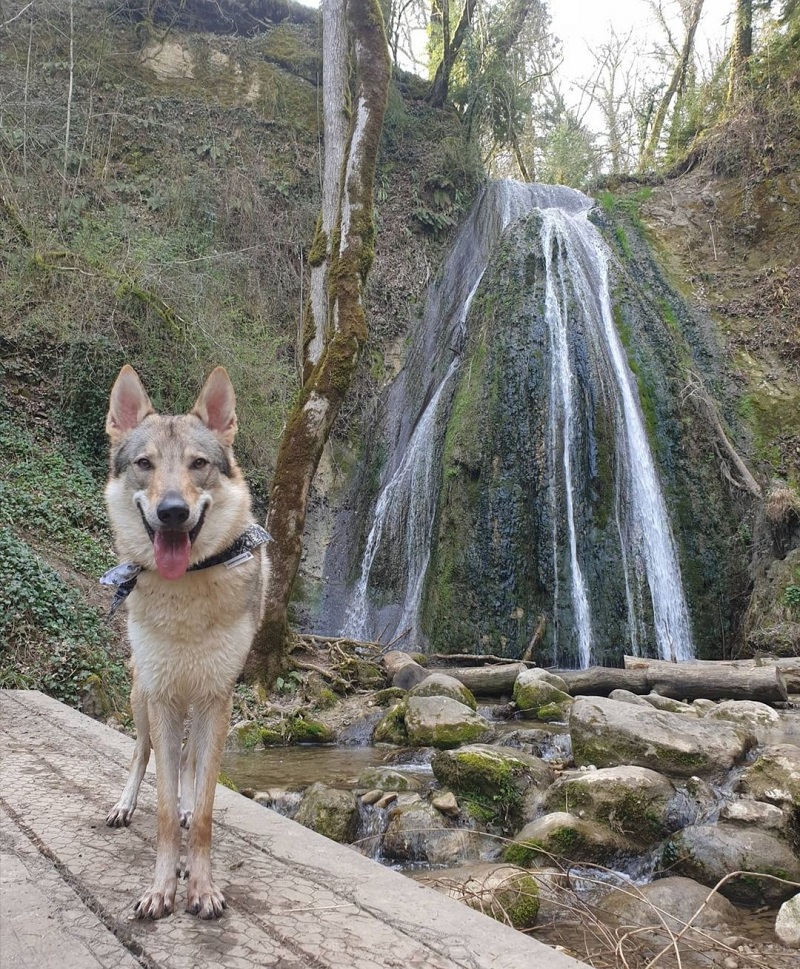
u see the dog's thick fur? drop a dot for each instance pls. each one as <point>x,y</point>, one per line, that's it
<point>175,496</point>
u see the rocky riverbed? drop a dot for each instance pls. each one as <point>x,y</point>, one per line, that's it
<point>624,828</point>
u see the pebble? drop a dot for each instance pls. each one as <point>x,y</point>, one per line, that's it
<point>387,799</point>
<point>371,797</point>
<point>446,803</point>
<point>731,963</point>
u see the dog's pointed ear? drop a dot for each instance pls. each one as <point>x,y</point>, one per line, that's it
<point>129,405</point>
<point>216,405</point>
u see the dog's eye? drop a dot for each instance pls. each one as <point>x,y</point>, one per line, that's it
<point>144,464</point>
<point>198,464</point>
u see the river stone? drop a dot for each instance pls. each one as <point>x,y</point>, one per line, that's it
<point>505,892</point>
<point>417,832</point>
<point>537,699</point>
<point>446,803</point>
<point>440,721</point>
<point>625,696</point>
<point>561,837</point>
<point>709,852</point>
<point>787,924</point>
<point>749,713</point>
<point>635,801</point>
<point>242,736</point>
<point>440,684</point>
<point>330,812</point>
<point>668,704</point>
<point>391,729</point>
<point>608,734</point>
<point>387,779</point>
<point>503,778</point>
<point>775,776</point>
<point>702,706</point>
<point>677,901</point>
<point>758,813</point>
<point>537,673</point>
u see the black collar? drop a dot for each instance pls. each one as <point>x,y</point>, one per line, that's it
<point>124,576</point>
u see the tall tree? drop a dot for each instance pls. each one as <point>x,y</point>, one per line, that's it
<point>451,47</point>
<point>355,87</point>
<point>741,49</point>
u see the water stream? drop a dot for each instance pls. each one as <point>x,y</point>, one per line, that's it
<point>586,360</point>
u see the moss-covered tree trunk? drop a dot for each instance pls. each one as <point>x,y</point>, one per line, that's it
<point>356,65</point>
<point>741,50</point>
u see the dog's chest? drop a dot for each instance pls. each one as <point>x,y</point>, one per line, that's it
<point>190,638</point>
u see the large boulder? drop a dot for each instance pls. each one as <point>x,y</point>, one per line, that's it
<point>787,924</point>
<point>387,779</point>
<point>538,699</point>
<point>671,902</point>
<point>710,852</point>
<point>417,832</point>
<point>635,801</point>
<point>440,721</point>
<point>505,892</point>
<point>562,837</point>
<point>607,733</point>
<point>501,779</point>
<point>330,812</point>
<point>775,776</point>
<point>440,684</point>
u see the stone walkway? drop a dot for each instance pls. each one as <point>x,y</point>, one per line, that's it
<point>295,900</point>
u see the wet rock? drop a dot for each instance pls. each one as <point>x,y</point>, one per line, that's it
<point>625,696</point>
<point>757,717</point>
<point>503,778</point>
<point>504,892</point>
<point>388,798</point>
<point>391,729</point>
<point>418,832</point>
<point>672,901</point>
<point>787,924</point>
<point>536,672</point>
<point>537,699</point>
<point>634,801</point>
<point>775,776</point>
<point>608,734</point>
<point>709,852</point>
<point>439,721</point>
<point>371,797</point>
<point>387,779</point>
<point>440,684</point>
<point>562,836</point>
<point>329,812</point>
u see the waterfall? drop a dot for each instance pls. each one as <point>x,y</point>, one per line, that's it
<point>585,359</point>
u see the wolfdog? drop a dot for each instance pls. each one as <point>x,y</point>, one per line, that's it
<point>195,571</point>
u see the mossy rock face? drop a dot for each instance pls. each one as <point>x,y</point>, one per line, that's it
<point>606,733</point>
<point>303,730</point>
<point>537,699</point>
<point>499,779</point>
<point>440,684</point>
<point>383,697</point>
<point>392,728</point>
<point>710,852</point>
<point>418,832</point>
<point>387,779</point>
<point>329,812</point>
<point>564,837</point>
<point>439,721</point>
<point>244,736</point>
<point>504,892</point>
<point>775,776</point>
<point>633,801</point>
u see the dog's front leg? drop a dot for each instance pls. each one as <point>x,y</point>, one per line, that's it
<point>166,730</point>
<point>122,812</point>
<point>209,728</point>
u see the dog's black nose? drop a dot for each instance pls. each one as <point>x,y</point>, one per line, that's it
<point>172,510</point>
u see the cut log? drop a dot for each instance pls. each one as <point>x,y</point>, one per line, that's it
<point>788,665</point>
<point>403,670</point>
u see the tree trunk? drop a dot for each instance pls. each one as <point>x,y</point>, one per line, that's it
<point>441,81</point>
<point>788,666</point>
<point>675,86</point>
<point>741,49</point>
<point>348,253</point>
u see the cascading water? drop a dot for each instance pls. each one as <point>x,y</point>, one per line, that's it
<point>582,352</point>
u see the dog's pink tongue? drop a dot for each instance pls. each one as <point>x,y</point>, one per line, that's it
<point>172,551</point>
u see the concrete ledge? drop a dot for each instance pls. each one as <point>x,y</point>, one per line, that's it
<point>296,900</point>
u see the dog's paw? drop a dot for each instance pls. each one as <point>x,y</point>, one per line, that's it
<point>205,901</point>
<point>186,815</point>
<point>120,815</point>
<point>155,904</point>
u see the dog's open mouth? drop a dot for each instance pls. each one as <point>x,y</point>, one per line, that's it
<point>172,547</point>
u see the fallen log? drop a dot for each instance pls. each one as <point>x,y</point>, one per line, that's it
<point>788,665</point>
<point>403,670</point>
<point>602,680</point>
<point>488,680</point>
